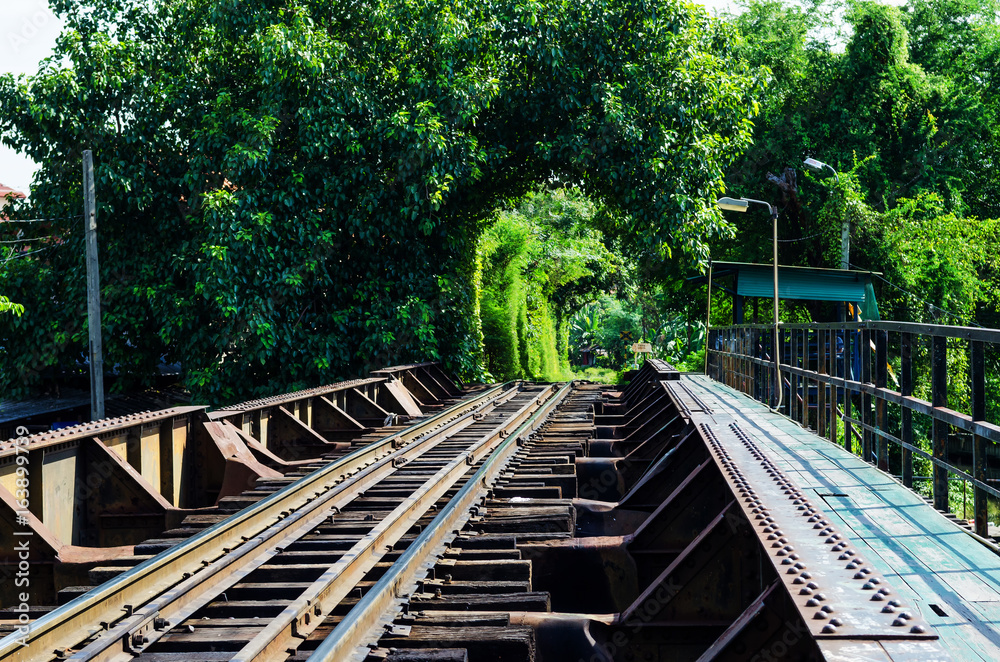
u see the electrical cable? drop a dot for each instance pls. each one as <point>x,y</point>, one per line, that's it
<point>16,256</point>
<point>26,240</point>
<point>790,241</point>
<point>39,220</point>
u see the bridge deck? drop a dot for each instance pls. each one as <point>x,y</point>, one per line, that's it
<point>952,578</point>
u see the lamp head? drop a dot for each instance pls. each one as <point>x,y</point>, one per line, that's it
<point>818,167</point>
<point>733,204</point>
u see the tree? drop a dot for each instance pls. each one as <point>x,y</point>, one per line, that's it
<point>291,191</point>
<point>900,128</point>
<point>960,39</point>
<point>8,306</point>
<point>541,261</point>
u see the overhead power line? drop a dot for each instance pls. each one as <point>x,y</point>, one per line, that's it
<point>39,220</point>
<point>26,240</point>
<point>17,256</point>
<point>790,241</point>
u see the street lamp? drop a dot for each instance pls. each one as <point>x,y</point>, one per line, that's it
<point>742,205</point>
<point>818,167</point>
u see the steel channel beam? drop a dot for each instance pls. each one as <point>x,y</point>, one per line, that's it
<point>96,429</point>
<point>348,639</point>
<point>296,621</point>
<point>76,621</point>
<point>286,398</point>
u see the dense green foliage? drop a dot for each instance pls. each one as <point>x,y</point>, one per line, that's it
<point>541,261</point>
<point>639,312</point>
<point>905,106</point>
<point>292,191</point>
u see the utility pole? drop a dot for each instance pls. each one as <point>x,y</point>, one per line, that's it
<point>93,291</point>
<point>845,243</point>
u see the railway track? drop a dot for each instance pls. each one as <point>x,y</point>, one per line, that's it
<point>254,585</point>
<point>520,523</point>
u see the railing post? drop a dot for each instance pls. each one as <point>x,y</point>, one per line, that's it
<point>807,335</point>
<point>821,387</point>
<point>734,341</point>
<point>866,399</point>
<point>979,443</point>
<point>939,398</point>
<point>849,375</point>
<point>906,414</point>
<point>709,346</point>
<point>833,388</point>
<point>881,381</point>
<point>744,362</point>
<point>794,339</point>
<point>781,381</point>
<point>803,383</point>
<point>721,360</point>
<point>727,346</point>
<point>730,361</point>
<point>754,343</point>
<point>767,350</point>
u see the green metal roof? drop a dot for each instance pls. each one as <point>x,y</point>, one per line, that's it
<point>798,285</point>
<point>756,280</point>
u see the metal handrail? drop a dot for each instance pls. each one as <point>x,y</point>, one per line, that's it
<point>919,328</point>
<point>865,345</point>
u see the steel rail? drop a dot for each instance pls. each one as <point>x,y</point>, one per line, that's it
<point>183,600</point>
<point>109,603</point>
<point>348,639</point>
<point>296,621</point>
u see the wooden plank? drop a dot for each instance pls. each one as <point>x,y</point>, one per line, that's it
<point>524,601</point>
<point>966,638</point>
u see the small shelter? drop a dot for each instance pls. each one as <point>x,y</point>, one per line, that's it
<point>742,280</point>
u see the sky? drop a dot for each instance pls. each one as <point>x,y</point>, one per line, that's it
<point>28,35</point>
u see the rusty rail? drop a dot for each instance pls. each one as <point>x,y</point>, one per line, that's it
<point>173,569</point>
<point>357,629</point>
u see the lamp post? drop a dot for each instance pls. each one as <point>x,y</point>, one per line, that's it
<point>819,168</point>
<point>742,205</point>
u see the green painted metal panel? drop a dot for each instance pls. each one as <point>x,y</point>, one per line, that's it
<point>756,282</point>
